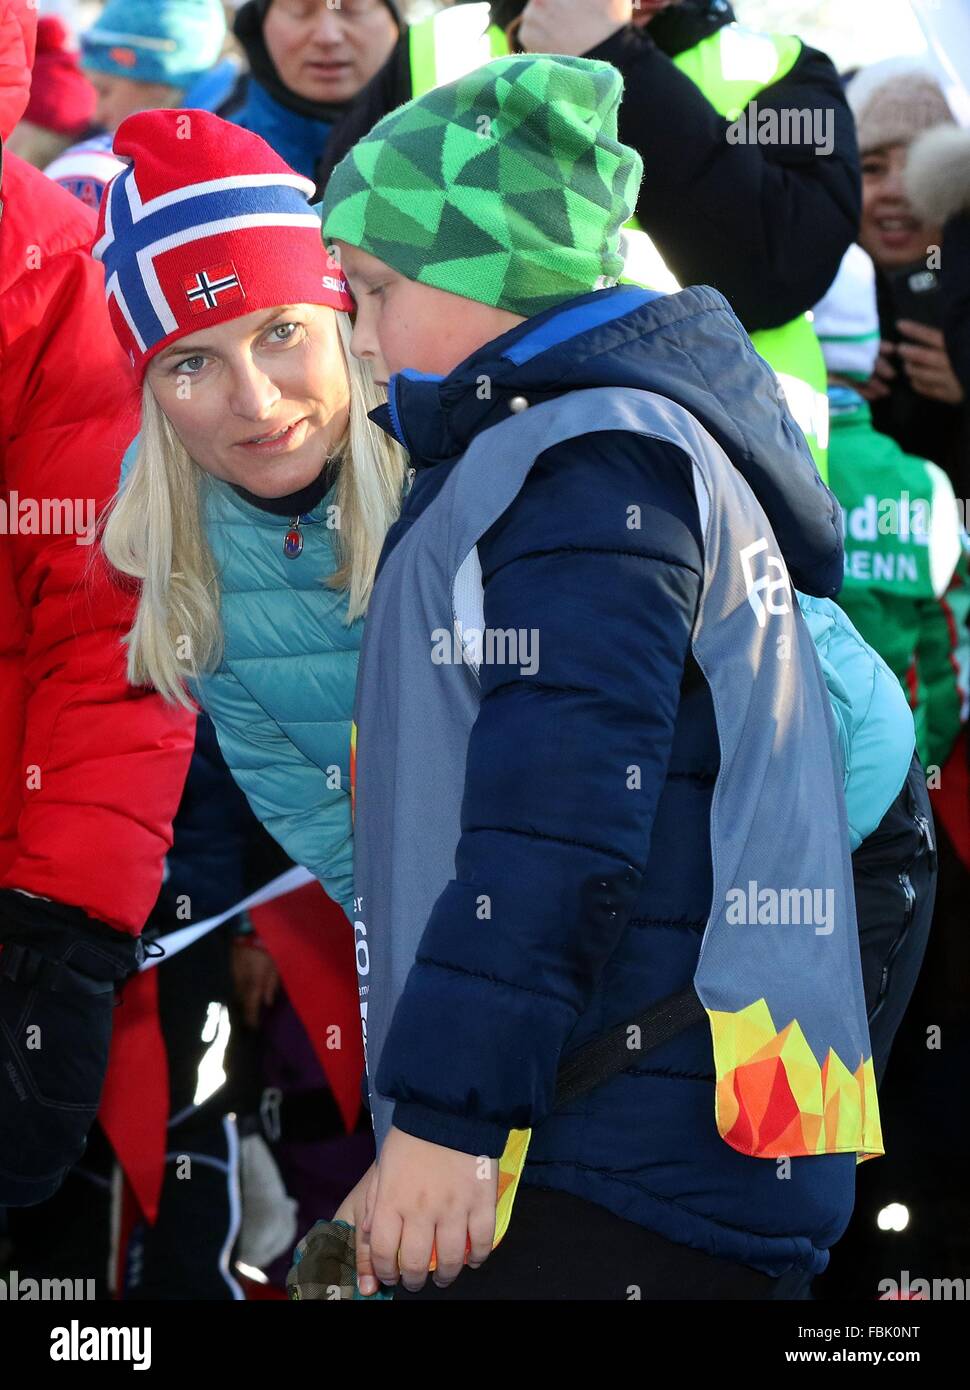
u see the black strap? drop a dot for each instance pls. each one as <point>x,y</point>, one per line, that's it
<point>34,970</point>
<point>610,1054</point>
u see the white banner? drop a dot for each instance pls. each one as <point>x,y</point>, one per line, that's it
<point>186,936</point>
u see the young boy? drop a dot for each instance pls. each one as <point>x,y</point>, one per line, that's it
<point>594,758</point>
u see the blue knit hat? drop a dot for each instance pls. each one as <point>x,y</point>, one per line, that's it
<point>170,41</point>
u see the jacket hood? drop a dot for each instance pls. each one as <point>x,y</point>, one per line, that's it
<point>248,29</point>
<point>18,40</point>
<point>689,347</point>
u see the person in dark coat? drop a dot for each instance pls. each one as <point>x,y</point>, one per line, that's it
<point>308,60</point>
<point>937,179</point>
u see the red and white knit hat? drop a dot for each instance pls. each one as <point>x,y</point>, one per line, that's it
<point>205,225</point>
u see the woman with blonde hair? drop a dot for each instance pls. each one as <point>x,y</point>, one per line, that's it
<point>255,501</point>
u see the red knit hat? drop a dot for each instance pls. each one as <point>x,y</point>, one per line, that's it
<point>61,97</point>
<point>206,225</point>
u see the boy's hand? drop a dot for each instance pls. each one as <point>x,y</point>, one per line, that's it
<point>353,1208</point>
<point>429,1197</point>
<point>572,27</point>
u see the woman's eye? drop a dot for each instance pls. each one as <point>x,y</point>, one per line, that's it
<point>281,328</point>
<point>185,365</point>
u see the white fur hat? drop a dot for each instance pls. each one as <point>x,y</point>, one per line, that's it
<point>937,176</point>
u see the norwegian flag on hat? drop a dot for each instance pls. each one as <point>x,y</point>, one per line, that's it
<point>206,224</point>
<point>217,284</point>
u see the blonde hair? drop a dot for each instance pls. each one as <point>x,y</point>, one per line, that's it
<point>155,533</point>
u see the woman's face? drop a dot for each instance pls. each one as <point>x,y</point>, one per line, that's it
<point>229,390</point>
<point>890,232</point>
<point>328,52</point>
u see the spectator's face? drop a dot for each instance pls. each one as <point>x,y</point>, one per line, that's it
<point>119,97</point>
<point>275,369</point>
<point>328,54</point>
<point>401,323</point>
<point>890,232</point>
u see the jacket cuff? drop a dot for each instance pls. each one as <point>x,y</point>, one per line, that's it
<point>478,1137</point>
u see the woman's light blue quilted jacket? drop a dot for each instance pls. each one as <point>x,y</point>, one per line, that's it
<point>283,697</point>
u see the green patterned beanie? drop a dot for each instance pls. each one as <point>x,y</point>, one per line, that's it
<point>508,186</point>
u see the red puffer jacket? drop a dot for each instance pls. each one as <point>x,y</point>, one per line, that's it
<point>91,770</point>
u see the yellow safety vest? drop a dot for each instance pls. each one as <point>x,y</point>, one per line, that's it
<point>730,67</point>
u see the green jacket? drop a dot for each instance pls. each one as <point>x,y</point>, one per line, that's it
<point>906,572</point>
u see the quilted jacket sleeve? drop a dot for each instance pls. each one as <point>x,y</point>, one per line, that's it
<point>305,808</point>
<point>102,763</point>
<point>566,762</point>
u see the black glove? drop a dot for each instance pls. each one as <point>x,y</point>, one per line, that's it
<point>58,972</point>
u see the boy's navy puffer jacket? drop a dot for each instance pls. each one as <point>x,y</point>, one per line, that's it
<point>545,789</point>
